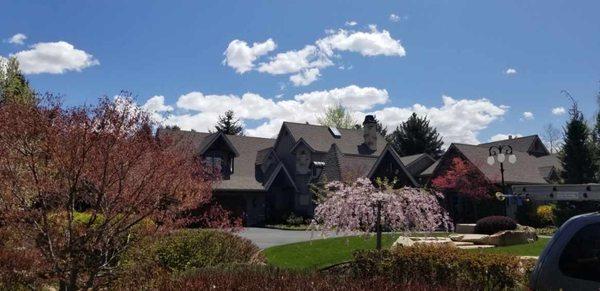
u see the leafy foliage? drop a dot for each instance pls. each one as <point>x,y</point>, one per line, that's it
<point>13,85</point>
<point>416,136</point>
<point>351,207</point>
<point>577,152</point>
<point>465,179</point>
<point>337,116</point>
<point>444,266</point>
<point>228,124</point>
<point>494,224</point>
<point>56,162</point>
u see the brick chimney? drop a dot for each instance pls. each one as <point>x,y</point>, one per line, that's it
<point>370,132</point>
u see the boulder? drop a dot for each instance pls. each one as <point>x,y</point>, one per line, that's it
<point>508,238</point>
<point>456,237</point>
<point>465,228</point>
<point>403,241</point>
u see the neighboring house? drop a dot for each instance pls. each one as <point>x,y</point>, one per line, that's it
<point>266,179</point>
<point>534,165</point>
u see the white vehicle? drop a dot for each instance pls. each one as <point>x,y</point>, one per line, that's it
<point>571,260</point>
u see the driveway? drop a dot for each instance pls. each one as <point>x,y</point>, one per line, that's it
<point>266,237</point>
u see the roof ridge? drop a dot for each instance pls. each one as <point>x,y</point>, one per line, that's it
<point>519,137</point>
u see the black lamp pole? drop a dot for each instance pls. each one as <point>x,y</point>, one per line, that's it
<point>494,151</point>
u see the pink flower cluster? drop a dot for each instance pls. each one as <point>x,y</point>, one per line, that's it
<point>353,208</point>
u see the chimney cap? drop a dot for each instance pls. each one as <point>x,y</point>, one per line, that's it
<point>369,119</point>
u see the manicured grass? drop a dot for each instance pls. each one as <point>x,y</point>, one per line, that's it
<point>322,253</point>
<point>533,249</point>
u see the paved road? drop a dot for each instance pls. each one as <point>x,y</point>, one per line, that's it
<point>266,237</point>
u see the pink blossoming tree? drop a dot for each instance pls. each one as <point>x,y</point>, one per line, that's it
<point>352,207</point>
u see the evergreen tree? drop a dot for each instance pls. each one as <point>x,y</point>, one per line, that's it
<point>338,116</point>
<point>415,136</point>
<point>13,85</point>
<point>577,153</point>
<point>228,124</point>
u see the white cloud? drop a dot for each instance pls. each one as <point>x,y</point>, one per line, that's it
<point>502,136</point>
<point>157,104</point>
<point>559,111</point>
<point>305,77</point>
<point>305,63</point>
<point>457,120</point>
<point>528,115</point>
<point>295,61</point>
<point>394,17</point>
<point>18,38</point>
<point>351,23</point>
<point>372,43</point>
<point>241,57</point>
<point>54,58</point>
<point>510,71</point>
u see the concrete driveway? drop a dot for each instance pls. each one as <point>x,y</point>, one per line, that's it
<point>267,237</point>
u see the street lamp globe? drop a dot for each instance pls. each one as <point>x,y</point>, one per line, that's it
<point>512,159</point>
<point>490,160</point>
<point>501,157</point>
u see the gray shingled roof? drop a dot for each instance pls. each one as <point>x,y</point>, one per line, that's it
<point>320,139</point>
<point>243,177</point>
<point>524,171</point>
<point>520,144</point>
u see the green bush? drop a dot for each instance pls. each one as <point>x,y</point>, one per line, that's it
<point>544,214</point>
<point>494,224</point>
<point>443,266</point>
<point>191,249</point>
<point>294,220</point>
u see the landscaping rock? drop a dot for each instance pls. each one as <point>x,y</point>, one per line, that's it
<point>508,238</point>
<point>465,228</point>
<point>474,238</point>
<point>456,237</point>
<point>403,241</point>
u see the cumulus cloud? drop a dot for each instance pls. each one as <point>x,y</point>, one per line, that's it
<point>394,17</point>
<point>559,111</point>
<point>351,23</point>
<point>528,115</point>
<point>371,43</point>
<point>457,120</point>
<point>503,136</point>
<point>157,104</point>
<point>18,38</point>
<point>241,57</point>
<point>54,58</point>
<point>305,77</point>
<point>305,64</point>
<point>510,71</point>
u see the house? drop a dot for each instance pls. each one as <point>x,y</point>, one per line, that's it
<point>266,179</point>
<point>534,164</point>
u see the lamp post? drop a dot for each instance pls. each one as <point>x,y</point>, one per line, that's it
<point>499,153</point>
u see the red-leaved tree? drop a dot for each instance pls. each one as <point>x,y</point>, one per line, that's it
<point>80,185</point>
<point>464,179</point>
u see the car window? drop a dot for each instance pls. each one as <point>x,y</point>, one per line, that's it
<point>581,257</point>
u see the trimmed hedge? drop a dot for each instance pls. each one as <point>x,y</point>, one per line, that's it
<point>443,266</point>
<point>494,224</point>
<point>183,251</point>
<point>268,278</point>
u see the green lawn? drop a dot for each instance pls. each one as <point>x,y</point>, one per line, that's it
<point>534,249</point>
<point>321,253</point>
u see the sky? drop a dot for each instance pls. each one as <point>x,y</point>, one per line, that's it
<point>479,70</point>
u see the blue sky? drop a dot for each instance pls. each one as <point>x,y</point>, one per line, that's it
<point>358,55</point>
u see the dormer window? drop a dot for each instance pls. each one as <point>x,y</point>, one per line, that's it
<point>220,161</point>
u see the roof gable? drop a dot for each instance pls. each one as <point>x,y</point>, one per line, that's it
<point>320,138</point>
<point>214,137</point>
<point>390,150</point>
<point>527,144</point>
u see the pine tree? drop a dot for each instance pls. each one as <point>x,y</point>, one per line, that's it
<point>228,124</point>
<point>13,85</point>
<point>577,152</point>
<point>416,136</point>
<point>338,116</point>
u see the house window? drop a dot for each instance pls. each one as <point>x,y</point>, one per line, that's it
<point>220,162</point>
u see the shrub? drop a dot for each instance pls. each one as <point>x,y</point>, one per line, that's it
<point>190,249</point>
<point>294,220</point>
<point>261,278</point>
<point>544,215</point>
<point>494,224</point>
<point>443,266</point>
